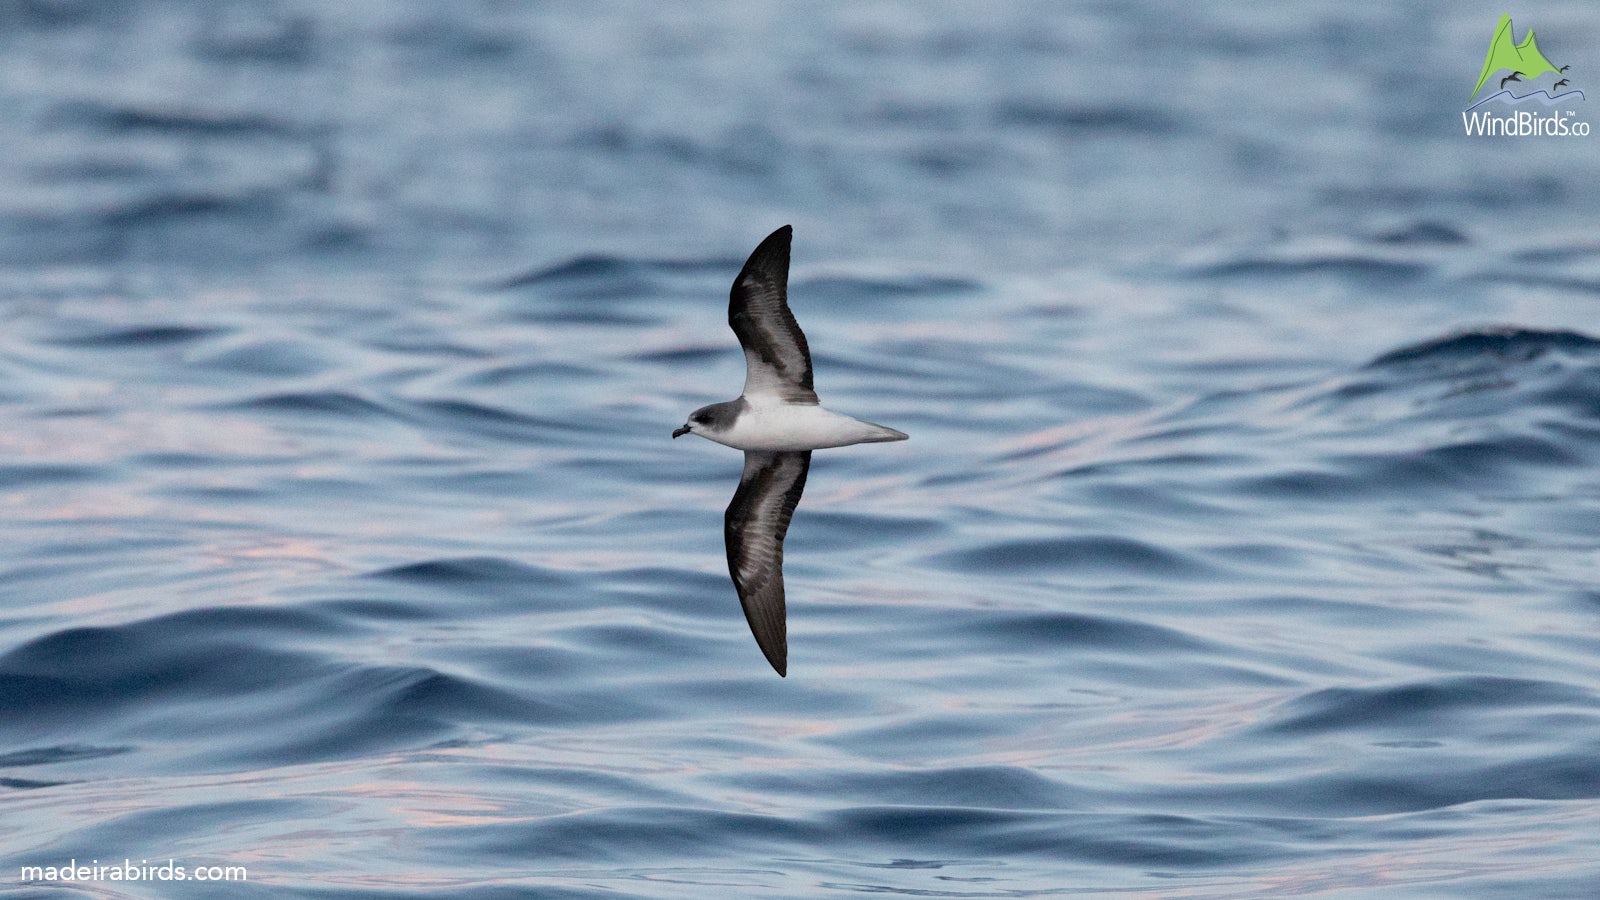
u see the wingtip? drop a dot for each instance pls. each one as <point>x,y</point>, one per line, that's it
<point>783,236</point>
<point>777,655</point>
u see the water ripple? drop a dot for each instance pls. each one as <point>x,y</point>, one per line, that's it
<point>1232,554</point>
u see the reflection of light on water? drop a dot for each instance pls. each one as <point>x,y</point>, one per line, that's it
<point>96,438</point>
<point>274,549</point>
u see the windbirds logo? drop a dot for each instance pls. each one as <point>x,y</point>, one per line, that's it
<point>1512,67</point>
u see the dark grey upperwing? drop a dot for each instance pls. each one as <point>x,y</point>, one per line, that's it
<point>777,360</point>
<point>754,527</point>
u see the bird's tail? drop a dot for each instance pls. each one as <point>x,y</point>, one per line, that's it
<point>880,433</point>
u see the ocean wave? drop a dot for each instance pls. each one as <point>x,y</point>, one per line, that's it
<point>1493,346</point>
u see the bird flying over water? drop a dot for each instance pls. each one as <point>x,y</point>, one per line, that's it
<point>1514,76</point>
<point>777,422</point>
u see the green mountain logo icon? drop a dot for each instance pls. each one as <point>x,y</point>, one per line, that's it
<point>1522,59</point>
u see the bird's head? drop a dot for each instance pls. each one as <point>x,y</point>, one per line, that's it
<point>717,417</point>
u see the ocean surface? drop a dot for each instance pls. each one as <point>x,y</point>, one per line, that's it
<point>1247,543</point>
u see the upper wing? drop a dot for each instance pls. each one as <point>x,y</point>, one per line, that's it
<point>754,527</point>
<point>777,360</point>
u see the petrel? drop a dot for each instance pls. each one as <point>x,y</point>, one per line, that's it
<point>777,423</point>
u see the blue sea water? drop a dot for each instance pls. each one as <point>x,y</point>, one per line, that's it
<point>1246,544</point>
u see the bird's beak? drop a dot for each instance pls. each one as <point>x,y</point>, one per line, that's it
<point>680,432</point>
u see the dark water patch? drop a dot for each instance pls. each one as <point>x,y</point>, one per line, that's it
<point>927,733</point>
<point>699,354</point>
<point>1566,284</point>
<point>394,335</point>
<point>1495,457</point>
<point>1423,233</point>
<point>84,674</point>
<point>1303,484</point>
<point>382,709</point>
<point>1424,706</point>
<point>648,646</point>
<point>144,336</point>
<point>861,289</point>
<point>532,373</point>
<point>167,207</point>
<point>29,784</point>
<point>447,40</point>
<point>185,120</point>
<point>1158,497</point>
<point>664,585</point>
<point>1502,193</point>
<point>262,621</point>
<point>325,403</point>
<point>933,116</point>
<point>335,237</point>
<point>109,169</point>
<point>561,314</point>
<point>30,475</point>
<point>948,160</point>
<point>184,461</point>
<point>1099,555</point>
<point>1556,776</point>
<point>629,835</point>
<point>497,483</point>
<point>1262,555</point>
<point>465,416</point>
<point>933,370</point>
<point>1071,630</point>
<point>235,33</point>
<point>1087,119</point>
<point>53,14</point>
<point>603,277</point>
<point>1499,344</point>
<point>842,531</point>
<point>1578,250</point>
<point>1176,460</point>
<point>624,790</point>
<point>374,610</point>
<point>993,787</point>
<point>961,832</point>
<point>43,756</point>
<point>1426,775</point>
<point>1096,400</point>
<point>744,150</point>
<point>585,267</point>
<point>270,358</point>
<point>468,572</point>
<point>419,691</point>
<point>1312,265</point>
<point>1483,409</point>
<point>1487,464</point>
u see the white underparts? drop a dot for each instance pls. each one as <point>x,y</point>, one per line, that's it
<point>772,426</point>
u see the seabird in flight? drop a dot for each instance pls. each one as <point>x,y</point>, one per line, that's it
<point>777,422</point>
